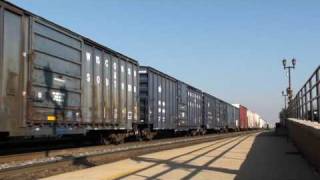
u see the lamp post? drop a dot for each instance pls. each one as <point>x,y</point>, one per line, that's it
<point>285,99</point>
<point>289,67</point>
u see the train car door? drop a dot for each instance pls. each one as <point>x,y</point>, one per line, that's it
<point>13,68</point>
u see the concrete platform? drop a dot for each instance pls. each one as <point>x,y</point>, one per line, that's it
<point>251,157</point>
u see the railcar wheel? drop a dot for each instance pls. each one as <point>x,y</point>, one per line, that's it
<point>117,138</point>
<point>194,133</point>
<point>203,132</point>
<point>104,140</point>
<point>147,134</point>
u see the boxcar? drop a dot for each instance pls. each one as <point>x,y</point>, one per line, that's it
<point>55,82</point>
<point>219,115</point>
<point>158,100</point>
<point>232,117</point>
<point>167,103</point>
<point>243,118</point>
<point>251,119</point>
<point>211,113</point>
<point>237,118</point>
<point>189,107</point>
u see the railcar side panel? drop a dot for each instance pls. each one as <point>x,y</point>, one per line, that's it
<point>12,70</point>
<point>189,107</point>
<point>157,96</point>
<point>54,89</point>
<point>237,117</point>
<point>231,116</point>
<point>210,115</point>
<point>106,83</point>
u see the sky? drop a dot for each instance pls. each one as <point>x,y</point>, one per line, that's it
<point>230,49</point>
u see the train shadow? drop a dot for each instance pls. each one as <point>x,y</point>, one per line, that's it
<point>83,162</point>
<point>264,156</point>
<point>274,157</point>
<point>171,164</point>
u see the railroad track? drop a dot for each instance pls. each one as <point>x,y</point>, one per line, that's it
<point>44,164</point>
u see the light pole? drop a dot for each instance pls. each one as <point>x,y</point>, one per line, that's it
<point>285,99</point>
<point>289,67</point>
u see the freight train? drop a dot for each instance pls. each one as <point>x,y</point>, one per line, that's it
<point>55,82</point>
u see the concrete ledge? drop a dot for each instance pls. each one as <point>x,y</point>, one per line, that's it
<point>306,136</point>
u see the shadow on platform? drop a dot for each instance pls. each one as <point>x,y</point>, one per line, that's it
<point>274,157</point>
<point>270,158</point>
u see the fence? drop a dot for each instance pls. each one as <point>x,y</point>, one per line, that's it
<point>306,104</point>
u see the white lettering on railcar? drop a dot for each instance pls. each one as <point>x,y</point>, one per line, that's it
<point>98,79</point>
<point>107,82</point>
<point>129,115</point>
<point>59,80</point>
<point>88,77</point>
<point>129,87</point>
<point>97,59</point>
<point>106,63</point>
<point>140,72</point>
<point>57,96</point>
<point>88,56</point>
<point>40,95</point>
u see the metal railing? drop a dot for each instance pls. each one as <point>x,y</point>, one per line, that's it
<point>306,104</point>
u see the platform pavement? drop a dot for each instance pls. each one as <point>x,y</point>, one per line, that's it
<point>260,156</point>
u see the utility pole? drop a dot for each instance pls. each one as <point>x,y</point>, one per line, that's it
<point>285,99</point>
<point>289,67</point>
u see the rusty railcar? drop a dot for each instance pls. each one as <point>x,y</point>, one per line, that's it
<point>54,81</point>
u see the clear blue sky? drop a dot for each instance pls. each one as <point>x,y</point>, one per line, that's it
<point>231,49</point>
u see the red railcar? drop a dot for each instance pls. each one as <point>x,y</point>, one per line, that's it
<point>243,118</point>
<point>243,123</point>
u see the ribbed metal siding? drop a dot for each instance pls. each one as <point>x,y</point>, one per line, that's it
<point>87,72</point>
<point>223,115</point>
<point>182,96</point>
<point>107,81</point>
<point>135,94</point>
<point>231,116</point>
<point>210,112</point>
<point>109,89</point>
<point>237,117</point>
<point>194,108</point>
<point>55,74</point>
<point>12,71</point>
<point>243,117</point>
<point>160,90</point>
<point>189,107</point>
